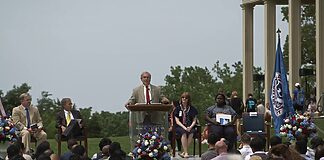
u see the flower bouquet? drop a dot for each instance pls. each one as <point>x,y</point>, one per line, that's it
<point>7,130</point>
<point>150,146</point>
<point>296,125</point>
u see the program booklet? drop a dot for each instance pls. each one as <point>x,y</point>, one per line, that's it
<point>223,119</point>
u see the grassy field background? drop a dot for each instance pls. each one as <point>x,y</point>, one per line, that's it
<point>125,141</point>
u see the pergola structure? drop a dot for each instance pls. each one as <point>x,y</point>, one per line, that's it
<point>270,42</point>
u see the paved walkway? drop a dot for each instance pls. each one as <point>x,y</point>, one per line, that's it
<point>191,157</point>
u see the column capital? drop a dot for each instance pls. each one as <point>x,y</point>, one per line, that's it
<point>247,5</point>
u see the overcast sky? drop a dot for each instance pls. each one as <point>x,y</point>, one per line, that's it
<point>95,51</point>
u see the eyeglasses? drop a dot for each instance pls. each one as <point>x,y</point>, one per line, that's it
<point>184,97</point>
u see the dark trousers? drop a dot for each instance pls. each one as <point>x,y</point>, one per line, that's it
<point>73,130</point>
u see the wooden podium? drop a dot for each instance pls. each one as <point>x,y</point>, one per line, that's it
<point>144,116</point>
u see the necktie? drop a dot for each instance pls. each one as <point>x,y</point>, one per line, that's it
<point>28,117</point>
<point>148,99</point>
<point>68,118</point>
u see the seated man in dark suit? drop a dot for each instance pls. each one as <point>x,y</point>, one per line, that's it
<point>69,120</point>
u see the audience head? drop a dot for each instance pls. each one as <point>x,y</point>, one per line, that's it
<point>282,151</point>
<point>79,150</point>
<point>319,152</point>
<point>257,144</point>
<point>41,148</point>
<point>301,146</point>
<point>115,151</point>
<point>105,150</point>
<point>212,139</point>
<point>103,142</point>
<point>274,140</point>
<point>71,142</point>
<point>316,141</point>
<point>13,150</point>
<point>221,147</point>
<point>246,139</point>
<point>234,94</point>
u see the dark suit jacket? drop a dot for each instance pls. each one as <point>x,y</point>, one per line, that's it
<point>61,120</point>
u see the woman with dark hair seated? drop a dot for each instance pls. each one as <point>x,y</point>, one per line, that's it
<point>186,119</point>
<point>224,129</point>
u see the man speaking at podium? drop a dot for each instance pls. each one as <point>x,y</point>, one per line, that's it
<point>146,93</point>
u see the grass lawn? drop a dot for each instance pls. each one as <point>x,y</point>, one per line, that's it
<point>124,141</point>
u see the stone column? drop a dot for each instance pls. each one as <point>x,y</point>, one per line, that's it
<point>269,44</point>
<point>319,48</point>
<point>294,43</point>
<point>247,49</point>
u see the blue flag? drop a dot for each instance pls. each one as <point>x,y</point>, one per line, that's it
<point>280,101</point>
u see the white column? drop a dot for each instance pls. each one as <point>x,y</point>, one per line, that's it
<point>319,47</point>
<point>294,43</point>
<point>269,44</point>
<point>247,49</point>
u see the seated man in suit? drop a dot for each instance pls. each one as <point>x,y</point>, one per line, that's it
<point>69,120</point>
<point>28,121</point>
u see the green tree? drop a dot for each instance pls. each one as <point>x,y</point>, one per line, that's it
<point>11,99</point>
<point>197,81</point>
<point>48,108</point>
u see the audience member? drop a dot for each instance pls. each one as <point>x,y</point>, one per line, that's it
<point>237,104</point>
<point>211,152</point>
<point>275,140</point>
<point>301,148</point>
<point>116,153</point>
<point>298,98</point>
<point>250,103</point>
<point>245,142</point>
<point>282,151</point>
<point>80,151</point>
<point>226,131</point>
<point>105,153</point>
<point>70,144</point>
<point>20,145</point>
<point>186,119</point>
<point>12,151</point>
<point>314,143</point>
<point>319,152</point>
<point>28,121</point>
<point>258,144</point>
<point>221,149</point>
<point>103,142</point>
<point>260,107</point>
<point>41,148</point>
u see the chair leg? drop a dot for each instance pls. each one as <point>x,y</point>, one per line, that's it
<point>59,148</point>
<point>194,146</point>
<point>199,144</point>
<point>86,145</point>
